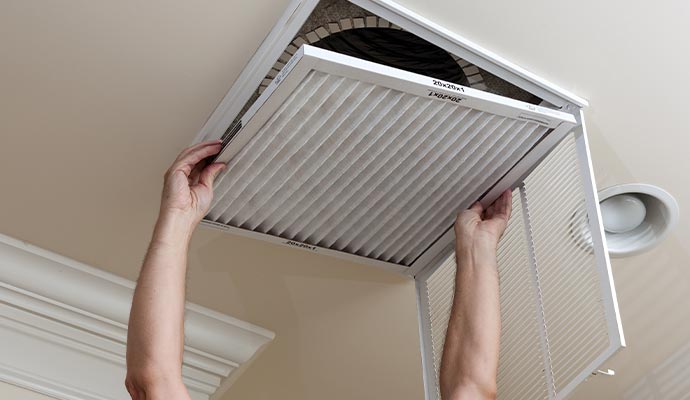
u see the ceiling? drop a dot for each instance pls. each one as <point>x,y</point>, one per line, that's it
<point>98,97</point>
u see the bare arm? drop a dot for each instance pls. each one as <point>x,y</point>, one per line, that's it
<point>470,354</point>
<point>156,323</point>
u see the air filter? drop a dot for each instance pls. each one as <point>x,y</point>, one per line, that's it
<point>367,161</point>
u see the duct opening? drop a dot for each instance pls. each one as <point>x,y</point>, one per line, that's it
<point>397,49</point>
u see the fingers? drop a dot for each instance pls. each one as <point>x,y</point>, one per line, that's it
<point>196,171</point>
<point>509,203</point>
<point>195,147</point>
<point>473,213</point>
<point>503,206</point>
<point>489,213</point>
<point>476,208</point>
<point>189,158</point>
<point>209,174</point>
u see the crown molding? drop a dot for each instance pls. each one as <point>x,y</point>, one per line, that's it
<point>63,325</point>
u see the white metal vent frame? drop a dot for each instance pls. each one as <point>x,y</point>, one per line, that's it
<point>603,264</point>
<point>310,58</point>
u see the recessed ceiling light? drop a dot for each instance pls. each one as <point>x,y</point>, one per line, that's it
<point>636,217</point>
<point>622,213</point>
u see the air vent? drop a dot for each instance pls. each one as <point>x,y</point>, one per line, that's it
<point>341,142</point>
<point>558,313</point>
<point>356,157</point>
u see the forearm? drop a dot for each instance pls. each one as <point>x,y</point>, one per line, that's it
<point>470,356</point>
<point>155,337</point>
<point>156,325</point>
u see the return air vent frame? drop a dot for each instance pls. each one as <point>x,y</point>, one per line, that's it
<point>555,293</point>
<point>522,125</point>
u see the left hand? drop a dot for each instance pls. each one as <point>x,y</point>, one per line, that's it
<point>188,187</point>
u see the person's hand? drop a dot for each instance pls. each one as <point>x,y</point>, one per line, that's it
<point>479,228</point>
<point>188,187</point>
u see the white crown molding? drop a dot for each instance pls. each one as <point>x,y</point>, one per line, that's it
<point>63,329</point>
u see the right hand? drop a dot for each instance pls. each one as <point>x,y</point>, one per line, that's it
<point>478,228</point>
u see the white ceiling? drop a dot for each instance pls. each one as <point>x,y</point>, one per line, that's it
<point>98,97</point>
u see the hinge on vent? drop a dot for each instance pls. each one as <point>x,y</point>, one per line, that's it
<point>227,137</point>
<point>231,132</point>
<point>608,372</point>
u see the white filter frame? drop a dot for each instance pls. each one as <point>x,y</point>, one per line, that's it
<point>310,58</point>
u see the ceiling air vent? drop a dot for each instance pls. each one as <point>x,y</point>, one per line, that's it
<point>359,129</point>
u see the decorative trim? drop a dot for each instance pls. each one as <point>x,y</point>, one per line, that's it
<point>64,326</point>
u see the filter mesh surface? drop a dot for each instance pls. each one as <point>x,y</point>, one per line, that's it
<point>553,322</point>
<point>568,273</point>
<point>367,170</point>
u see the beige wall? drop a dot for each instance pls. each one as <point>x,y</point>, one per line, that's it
<point>11,392</point>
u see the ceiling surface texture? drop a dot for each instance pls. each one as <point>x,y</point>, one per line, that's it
<point>96,98</point>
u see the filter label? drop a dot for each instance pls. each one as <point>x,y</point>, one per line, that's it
<point>445,96</point>
<point>448,85</point>
<point>300,245</point>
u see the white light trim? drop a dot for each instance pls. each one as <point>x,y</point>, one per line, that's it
<point>63,325</point>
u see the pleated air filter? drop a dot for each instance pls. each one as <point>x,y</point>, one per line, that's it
<point>558,310</point>
<point>356,159</point>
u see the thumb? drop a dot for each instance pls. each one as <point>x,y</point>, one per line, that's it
<point>209,174</point>
<point>477,208</point>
